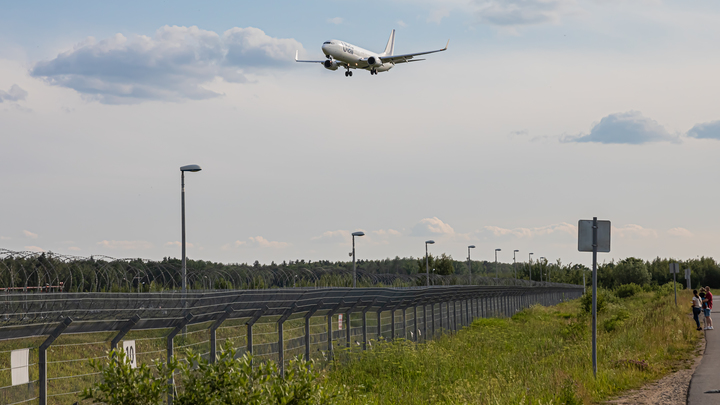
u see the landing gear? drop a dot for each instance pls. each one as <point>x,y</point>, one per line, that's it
<point>348,73</point>
<point>373,72</point>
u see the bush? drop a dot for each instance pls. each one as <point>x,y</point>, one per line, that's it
<point>229,380</point>
<point>604,297</point>
<point>627,290</point>
<point>667,289</point>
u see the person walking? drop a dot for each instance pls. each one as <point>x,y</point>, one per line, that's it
<point>696,308</point>
<point>707,308</point>
<point>701,294</point>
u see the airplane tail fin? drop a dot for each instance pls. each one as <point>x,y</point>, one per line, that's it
<point>390,47</point>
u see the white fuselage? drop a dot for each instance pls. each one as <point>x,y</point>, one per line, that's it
<point>353,55</point>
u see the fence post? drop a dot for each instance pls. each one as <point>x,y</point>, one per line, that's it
<point>250,322</point>
<point>392,323</point>
<point>308,315</point>
<point>404,320</point>
<point>347,331</point>
<point>364,323</point>
<point>124,331</point>
<point>432,315</point>
<point>170,348</point>
<point>329,329</point>
<point>213,328</point>
<point>447,309</point>
<point>281,339</point>
<point>42,359</point>
<point>415,338</point>
<point>425,321</point>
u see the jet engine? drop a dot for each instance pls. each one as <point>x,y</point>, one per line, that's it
<point>330,65</point>
<point>374,61</point>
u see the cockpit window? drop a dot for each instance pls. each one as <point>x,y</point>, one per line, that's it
<point>327,43</point>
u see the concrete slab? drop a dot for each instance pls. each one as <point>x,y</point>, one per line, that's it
<point>707,374</point>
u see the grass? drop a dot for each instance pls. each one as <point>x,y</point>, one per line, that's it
<point>540,356</point>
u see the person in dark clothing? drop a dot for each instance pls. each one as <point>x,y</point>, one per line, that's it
<point>696,308</point>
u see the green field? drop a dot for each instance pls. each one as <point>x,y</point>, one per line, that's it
<point>539,356</point>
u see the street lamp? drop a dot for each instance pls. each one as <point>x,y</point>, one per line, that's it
<point>427,263</point>
<point>541,269</point>
<point>470,264</point>
<point>354,234</point>
<point>514,266</point>
<point>183,169</point>
<point>530,264</point>
<point>496,269</point>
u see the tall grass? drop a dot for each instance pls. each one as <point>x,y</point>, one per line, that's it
<point>539,356</point>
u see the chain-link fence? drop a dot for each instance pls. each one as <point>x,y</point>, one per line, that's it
<point>65,330</point>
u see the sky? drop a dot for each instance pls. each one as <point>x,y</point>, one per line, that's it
<point>541,113</point>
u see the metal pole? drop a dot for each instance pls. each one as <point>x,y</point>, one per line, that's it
<point>675,285</point>
<point>427,265</point>
<point>182,205</point>
<point>530,265</point>
<point>496,269</point>
<point>594,297</point>
<point>354,269</point>
<point>469,269</point>
<point>514,264</point>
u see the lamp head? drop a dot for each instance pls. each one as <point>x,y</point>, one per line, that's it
<point>190,168</point>
<point>429,242</point>
<point>358,233</point>
<point>515,251</point>
<point>471,247</point>
<point>497,250</point>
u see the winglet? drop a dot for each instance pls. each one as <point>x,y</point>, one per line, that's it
<point>446,45</point>
<point>296,55</point>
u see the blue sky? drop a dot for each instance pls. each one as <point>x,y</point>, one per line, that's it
<point>541,113</point>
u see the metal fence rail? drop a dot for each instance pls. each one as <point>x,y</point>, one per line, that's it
<point>64,330</point>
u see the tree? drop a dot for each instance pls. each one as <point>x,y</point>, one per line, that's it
<point>631,270</point>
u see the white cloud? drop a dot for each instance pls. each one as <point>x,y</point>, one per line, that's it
<point>633,231</point>
<point>386,233</point>
<point>519,12</point>
<point>336,20</point>
<point>339,236</point>
<point>401,23</point>
<point>178,244</point>
<point>437,15</point>
<point>625,128</point>
<point>126,244</point>
<point>432,227</point>
<point>74,248</point>
<point>30,234</point>
<point>172,66</point>
<point>562,227</point>
<point>255,242</point>
<point>34,249</point>
<point>707,130</point>
<point>680,233</point>
<point>14,94</point>
<point>5,238</point>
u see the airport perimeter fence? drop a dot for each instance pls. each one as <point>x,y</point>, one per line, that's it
<point>64,330</point>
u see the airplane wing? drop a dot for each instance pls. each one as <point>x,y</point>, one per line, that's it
<point>409,56</point>
<point>307,61</point>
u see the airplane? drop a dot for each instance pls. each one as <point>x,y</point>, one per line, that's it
<point>340,54</point>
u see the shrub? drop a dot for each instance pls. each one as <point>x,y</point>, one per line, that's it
<point>604,296</point>
<point>627,290</point>
<point>229,380</point>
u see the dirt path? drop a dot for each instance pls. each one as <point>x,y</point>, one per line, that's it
<point>670,390</point>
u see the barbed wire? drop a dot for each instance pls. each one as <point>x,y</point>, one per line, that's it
<point>27,271</point>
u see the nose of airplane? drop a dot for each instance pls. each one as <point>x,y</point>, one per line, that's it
<point>324,48</point>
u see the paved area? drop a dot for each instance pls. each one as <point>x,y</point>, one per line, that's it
<point>707,374</point>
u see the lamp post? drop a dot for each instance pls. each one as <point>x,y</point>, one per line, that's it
<point>354,234</point>
<point>496,269</point>
<point>427,262</point>
<point>470,264</point>
<point>530,264</point>
<point>183,169</point>
<point>541,267</point>
<point>514,266</point>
